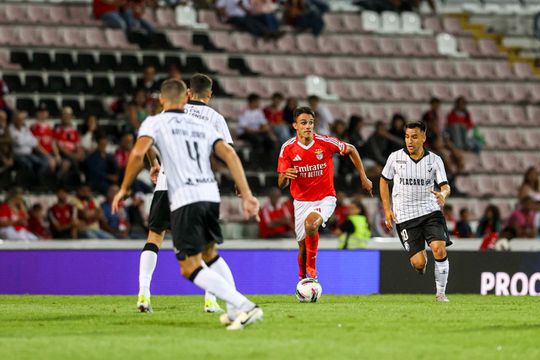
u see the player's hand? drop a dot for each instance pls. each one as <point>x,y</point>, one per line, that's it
<point>290,173</point>
<point>250,204</point>
<point>440,197</point>
<point>367,185</point>
<point>389,219</point>
<point>154,172</point>
<point>120,195</point>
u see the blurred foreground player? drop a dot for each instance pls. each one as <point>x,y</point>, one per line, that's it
<point>186,144</point>
<point>416,205</point>
<point>200,92</point>
<point>305,162</point>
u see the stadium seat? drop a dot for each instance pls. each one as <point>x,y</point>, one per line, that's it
<point>368,45</point>
<point>488,48</point>
<point>186,16</point>
<point>307,44</point>
<point>411,23</point>
<point>404,69</point>
<point>523,70</point>
<point>219,64</point>
<point>58,15</point>
<point>101,85</point>
<point>503,70</point>
<point>427,47</point>
<point>16,13</point>
<point>56,84</point>
<point>94,107</point>
<point>116,39</point>
<point>165,18</point>
<point>469,46</point>
<point>39,14</point>
<point>209,17</point>
<point>26,104</point>
<point>75,105</point>
<point>447,45</point>
<point>371,21</point>
<point>287,44</point>
<point>433,23</point>
<point>79,84</point>
<point>52,106</point>
<point>316,85</point>
<point>452,25</point>
<point>445,69</point>
<point>353,22</point>
<point>390,22</point>
<point>334,22</point>
<point>465,70</point>
<point>123,85</point>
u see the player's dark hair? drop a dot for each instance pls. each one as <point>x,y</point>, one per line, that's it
<point>303,110</point>
<point>200,84</point>
<point>463,211</point>
<point>173,89</point>
<point>313,98</point>
<point>416,125</point>
<point>253,97</point>
<point>277,95</point>
<point>434,100</point>
<point>37,206</point>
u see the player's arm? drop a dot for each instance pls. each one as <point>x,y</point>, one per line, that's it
<point>134,166</point>
<point>357,161</point>
<point>155,167</point>
<point>442,195</point>
<point>284,179</point>
<point>389,217</point>
<point>227,154</point>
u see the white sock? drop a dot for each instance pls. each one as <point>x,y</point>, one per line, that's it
<point>207,295</point>
<point>147,265</point>
<point>441,275</point>
<point>222,268</point>
<point>211,281</point>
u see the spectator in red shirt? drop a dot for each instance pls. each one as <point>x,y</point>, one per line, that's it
<point>90,215</point>
<point>274,116</point>
<point>458,124</point>
<point>44,134</point>
<point>37,223</point>
<point>63,217</point>
<point>68,141</point>
<point>276,218</point>
<point>114,14</point>
<point>14,218</point>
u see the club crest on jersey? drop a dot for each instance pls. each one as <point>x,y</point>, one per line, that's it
<point>319,154</point>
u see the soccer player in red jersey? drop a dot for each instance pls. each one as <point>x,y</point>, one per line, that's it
<point>305,162</point>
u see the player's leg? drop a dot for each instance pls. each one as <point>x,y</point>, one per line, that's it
<point>158,221</point>
<point>411,237</point>
<point>419,262</point>
<point>436,234</point>
<point>312,224</point>
<point>215,262</point>
<point>300,213</point>
<point>302,259</point>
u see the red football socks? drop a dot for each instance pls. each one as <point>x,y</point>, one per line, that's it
<point>301,263</point>
<point>312,245</point>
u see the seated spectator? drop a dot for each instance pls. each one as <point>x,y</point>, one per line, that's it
<point>3,104</point>
<point>37,224</point>
<point>90,132</point>
<point>530,186</point>
<point>121,157</point>
<point>253,127</point>
<point>355,232</point>
<point>14,218</point>
<point>340,212</point>
<point>113,15</point>
<point>237,14</point>
<point>137,111</point>
<point>7,160</point>
<point>460,127</point>
<point>90,216</point>
<point>356,124</point>
<point>490,222</point>
<point>276,218</point>
<point>449,217</point>
<point>397,129</point>
<point>463,228</point>
<point>263,10</point>
<point>63,217</point>
<point>305,15</point>
<point>521,223</point>
<point>137,8</point>
<point>100,168</point>
<point>149,81</point>
<point>31,159</point>
<point>378,145</point>
<point>288,112</point>
<point>323,116</point>
<point>116,224</point>
<point>44,134</point>
<point>68,141</point>
<point>274,116</point>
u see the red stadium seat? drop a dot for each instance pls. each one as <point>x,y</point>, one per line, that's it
<point>486,70</point>
<point>223,40</point>
<point>219,64</point>
<point>346,68</point>
<point>452,25</point>
<point>334,23</point>
<point>95,38</point>
<point>116,39</point>
<point>39,14</point>
<point>405,69</point>
<point>470,46</point>
<point>488,48</point>
<point>352,22</point>
<point>425,69</point>
<point>501,93</point>
<point>445,69</point>
<point>260,64</point>
<point>287,44</point>
<point>59,15</point>
<point>368,45</point>
<point>209,17</point>
<point>365,68</point>
<point>323,67</point>
<point>16,13</point>
<point>307,44</point>
<point>433,23</point>
<point>182,39</point>
<point>466,69</point>
<point>503,70</point>
<point>385,69</point>
<point>165,18</point>
<point>388,46</point>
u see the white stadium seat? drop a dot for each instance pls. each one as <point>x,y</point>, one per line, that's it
<point>316,85</point>
<point>390,22</point>
<point>447,45</point>
<point>371,21</point>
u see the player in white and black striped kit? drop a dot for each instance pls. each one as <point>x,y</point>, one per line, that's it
<point>416,205</point>
<point>186,144</point>
<point>199,93</point>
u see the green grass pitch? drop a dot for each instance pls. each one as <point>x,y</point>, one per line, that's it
<point>338,327</point>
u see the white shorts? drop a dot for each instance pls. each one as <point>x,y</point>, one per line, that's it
<point>325,208</point>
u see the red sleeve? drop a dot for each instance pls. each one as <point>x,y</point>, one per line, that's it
<point>336,146</point>
<point>284,161</point>
<point>451,118</point>
<point>5,212</point>
<point>468,121</point>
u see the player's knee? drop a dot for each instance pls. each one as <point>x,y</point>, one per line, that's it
<point>439,252</point>
<point>311,227</point>
<point>419,264</point>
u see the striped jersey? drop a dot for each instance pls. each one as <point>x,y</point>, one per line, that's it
<point>185,144</point>
<point>201,111</point>
<point>413,182</point>
<point>315,177</point>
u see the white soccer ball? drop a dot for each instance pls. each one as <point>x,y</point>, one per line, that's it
<point>308,290</point>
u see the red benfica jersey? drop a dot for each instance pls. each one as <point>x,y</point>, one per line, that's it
<point>315,178</point>
<point>62,213</point>
<point>6,212</point>
<point>44,134</point>
<point>67,137</point>
<point>268,214</point>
